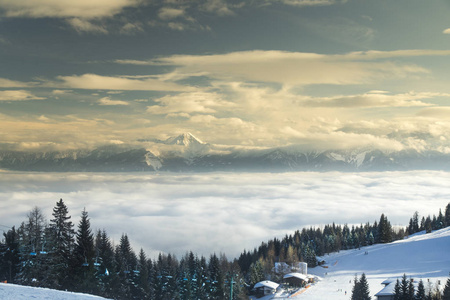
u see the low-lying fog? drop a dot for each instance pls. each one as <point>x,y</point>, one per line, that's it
<point>221,212</point>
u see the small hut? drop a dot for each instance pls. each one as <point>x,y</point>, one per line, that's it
<point>264,288</point>
<point>295,279</point>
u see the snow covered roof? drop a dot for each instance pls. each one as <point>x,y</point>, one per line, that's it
<point>389,280</point>
<point>296,275</point>
<point>387,290</point>
<point>267,283</point>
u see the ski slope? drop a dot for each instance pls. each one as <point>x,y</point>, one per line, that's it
<point>421,256</point>
<point>18,292</point>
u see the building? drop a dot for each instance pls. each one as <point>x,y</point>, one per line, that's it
<point>296,279</point>
<point>264,288</point>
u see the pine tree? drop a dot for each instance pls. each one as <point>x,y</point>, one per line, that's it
<point>61,234</point>
<point>397,291</point>
<point>364,288</point>
<point>446,295</point>
<point>420,294</point>
<point>385,230</point>
<point>361,289</point>
<point>83,268</point>
<point>9,256</point>
<point>356,291</point>
<point>447,215</point>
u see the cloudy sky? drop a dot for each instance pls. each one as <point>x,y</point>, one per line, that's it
<point>326,74</point>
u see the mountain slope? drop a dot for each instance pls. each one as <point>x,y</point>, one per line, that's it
<point>18,292</point>
<point>422,256</point>
<point>186,153</point>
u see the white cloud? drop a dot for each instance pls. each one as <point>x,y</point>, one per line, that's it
<point>219,7</point>
<point>85,9</point>
<point>180,206</point>
<point>306,2</point>
<point>109,101</point>
<point>170,13</point>
<point>7,83</point>
<point>94,81</point>
<point>131,28</point>
<point>18,95</point>
<point>197,102</point>
<point>82,25</point>
<point>297,68</point>
<point>373,99</point>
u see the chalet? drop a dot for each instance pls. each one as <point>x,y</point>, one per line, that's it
<point>266,287</point>
<point>295,279</point>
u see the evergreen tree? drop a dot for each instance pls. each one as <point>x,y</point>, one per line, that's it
<point>428,224</point>
<point>256,272</point>
<point>397,290</point>
<point>385,230</point>
<point>446,294</point>
<point>83,268</point>
<point>447,215</point>
<point>364,287</point>
<point>420,294</point>
<point>361,289</point>
<point>61,234</point>
<point>356,291</point>
<point>9,256</point>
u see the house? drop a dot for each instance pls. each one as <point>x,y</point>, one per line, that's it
<point>295,279</point>
<point>284,268</point>
<point>387,293</point>
<point>264,288</point>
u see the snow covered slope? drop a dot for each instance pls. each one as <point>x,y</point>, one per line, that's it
<point>422,256</point>
<point>18,292</point>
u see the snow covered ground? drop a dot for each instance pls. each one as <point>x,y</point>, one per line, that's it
<point>18,292</point>
<point>422,256</point>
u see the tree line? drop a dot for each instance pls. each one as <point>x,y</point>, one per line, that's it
<point>63,256</point>
<point>57,256</point>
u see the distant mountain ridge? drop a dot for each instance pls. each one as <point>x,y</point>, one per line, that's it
<point>186,153</point>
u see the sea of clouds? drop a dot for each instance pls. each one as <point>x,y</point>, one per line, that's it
<point>221,212</point>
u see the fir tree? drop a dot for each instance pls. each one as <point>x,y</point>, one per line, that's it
<point>447,215</point>
<point>446,294</point>
<point>420,294</point>
<point>83,258</point>
<point>61,233</point>
<point>385,230</point>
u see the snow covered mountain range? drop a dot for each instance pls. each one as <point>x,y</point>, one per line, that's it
<point>186,153</point>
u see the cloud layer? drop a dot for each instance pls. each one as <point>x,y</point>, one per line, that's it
<point>222,212</point>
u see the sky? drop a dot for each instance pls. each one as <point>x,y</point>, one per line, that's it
<point>323,74</point>
<point>221,212</point>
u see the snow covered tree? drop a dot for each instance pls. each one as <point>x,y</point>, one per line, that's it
<point>256,272</point>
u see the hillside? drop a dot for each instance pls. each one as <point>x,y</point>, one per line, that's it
<point>422,256</point>
<point>18,292</point>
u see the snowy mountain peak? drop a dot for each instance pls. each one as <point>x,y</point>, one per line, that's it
<point>184,139</point>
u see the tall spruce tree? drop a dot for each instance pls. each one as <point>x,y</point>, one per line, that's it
<point>83,268</point>
<point>446,294</point>
<point>361,289</point>
<point>420,294</point>
<point>384,230</point>
<point>61,234</point>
